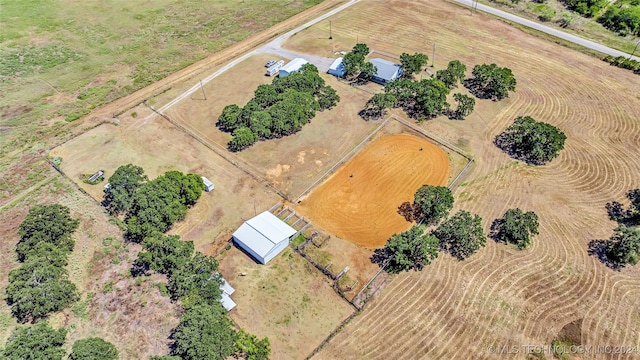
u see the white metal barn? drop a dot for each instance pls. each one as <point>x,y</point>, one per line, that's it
<point>263,236</point>
<point>293,65</point>
<point>208,185</point>
<point>337,68</point>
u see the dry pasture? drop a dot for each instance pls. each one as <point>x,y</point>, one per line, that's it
<point>287,300</point>
<point>502,296</point>
<point>158,146</point>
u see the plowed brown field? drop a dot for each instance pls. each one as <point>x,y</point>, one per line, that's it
<point>502,296</point>
<point>359,202</point>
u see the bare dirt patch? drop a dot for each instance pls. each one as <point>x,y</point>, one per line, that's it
<point>360,201</point>
<point>287,300</point>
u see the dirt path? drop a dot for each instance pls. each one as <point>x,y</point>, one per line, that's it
<point>111,109</point>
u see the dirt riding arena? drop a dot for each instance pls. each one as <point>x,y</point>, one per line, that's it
<point>502,296</point>
<point>359,202</point>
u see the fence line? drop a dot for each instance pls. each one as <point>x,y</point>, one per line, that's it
<point>433,137</point>
<point>343,160</point>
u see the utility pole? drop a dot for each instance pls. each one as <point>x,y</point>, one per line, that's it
<point>330,37</point>
<point>634,50</point>
<point>202,88</point>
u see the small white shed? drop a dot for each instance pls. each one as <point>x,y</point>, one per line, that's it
<point>293,65</point>
<point>208,185</point>
<point>225,298</point>
<point>337,68</point>
<point>263,236</point>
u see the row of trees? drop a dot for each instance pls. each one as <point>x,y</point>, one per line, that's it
<point>205,331</point>
<point>624,20</point>
<point>41,341</point>
<point>150,206</point>
<point>278,109</point>
<point>427,98</point>
<point>461,234</point>
<point>624,62</point>
<point>41,285</point>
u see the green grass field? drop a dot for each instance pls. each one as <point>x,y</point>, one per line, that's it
<point>59,58</point>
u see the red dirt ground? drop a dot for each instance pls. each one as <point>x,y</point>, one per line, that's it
<point>359,202</point>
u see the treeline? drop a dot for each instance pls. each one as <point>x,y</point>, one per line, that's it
<point>41,286</point>
<point>624,245</point>
<point>624,62</point>
<point>461,235</point>
<point>427,98</point>
<point>622,16</point>
<point>278,109</point>
<point>150,206</point>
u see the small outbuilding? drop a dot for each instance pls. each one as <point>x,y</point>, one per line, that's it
<point>263,236</point>
<point>387,71</point>
<point>225,298</point>
<point>208,185</point>
<point>337,68</point>
<point>293,65</point>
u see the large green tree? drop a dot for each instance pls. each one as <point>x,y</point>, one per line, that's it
<point>430,98</point>
<point>412,64</point>
<point>242,138</point>
<point>204,332</point>
<point>491,82</point>
<point>118,196</point>
<point>38,288</point>
<point>36,342</point>
<point>516,227</point>
<point>328,98</point>
<point>162,254</point>
<point>534,142</point>
<point>454,73</point>
<point>412,249</point>
<point>466,104</point>
<point>197,276</point>
<point>250,347</point>
<point>94,348</point>
<point>461,234</point>
<point>624,245</point>
<point>377,106</point>
<point>433,202</point>
<point>46,223</point>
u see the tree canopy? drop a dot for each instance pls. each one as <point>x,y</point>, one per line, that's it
<point>197,276</point>
<point>278,109</point>
<point>412,64</point>
<point>454,73</point>
<point>118,196</point>
<point>159,203</point>
<point>377,106</point>
<point>93,349</point>
<point>162,254</point>
<point>250,347</point>
<point>466,104</point>
<point>491,82</point>
<point>531,141</point>
<point>38,288</point>
<point>433,203</point>
<point>46,223</point>
<point>624,245</point>
<point>420,99</point>
<point>624,20</point>
<point>412,249</point>
<point>204,332</point>
<point>516,227</point>
<point>36,342</point>
<point>461,234</point>
<point>355,65</point>
<point>629,216</point>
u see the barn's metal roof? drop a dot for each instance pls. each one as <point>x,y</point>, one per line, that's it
<point>263,232</point>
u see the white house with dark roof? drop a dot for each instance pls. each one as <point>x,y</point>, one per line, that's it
<point>263,236</point>
<point>387,71</point>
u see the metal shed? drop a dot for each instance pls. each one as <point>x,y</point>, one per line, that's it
<point>337,68</point>
<point>293,65</point>
<point>263,236</point>
<point>208,185</point>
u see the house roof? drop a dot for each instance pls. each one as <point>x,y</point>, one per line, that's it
<point>263,232</point>
<point>337,66</point>
<point>294,65</point>
<point>386,69</point>
<point>227,302</point>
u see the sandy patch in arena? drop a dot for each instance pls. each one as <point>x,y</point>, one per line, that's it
<point>359,202</point>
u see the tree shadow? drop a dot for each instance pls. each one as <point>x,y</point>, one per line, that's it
<point>494,231</point>
<point>501,142</point>
<point>598,249</point>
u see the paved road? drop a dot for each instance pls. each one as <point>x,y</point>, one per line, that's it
<point>549,30</point>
